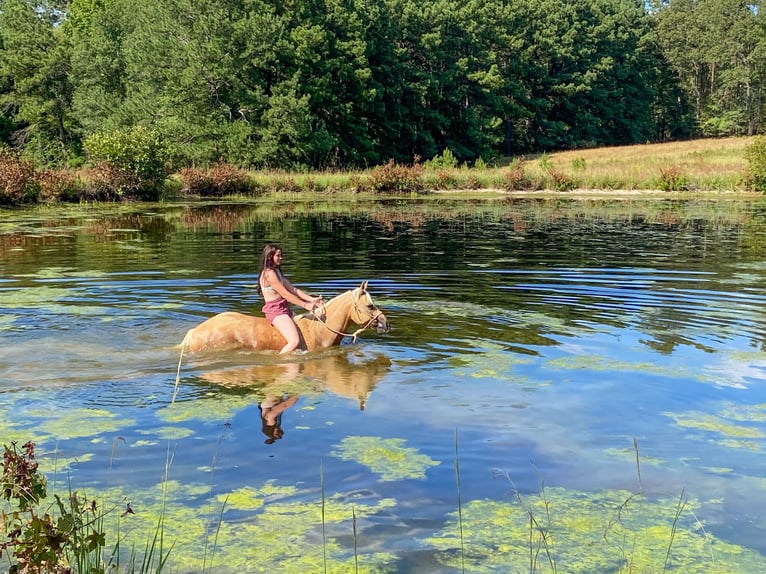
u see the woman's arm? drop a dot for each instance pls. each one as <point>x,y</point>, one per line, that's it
<point>287,290</point>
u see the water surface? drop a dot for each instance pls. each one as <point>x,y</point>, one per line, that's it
<point>538,348</point>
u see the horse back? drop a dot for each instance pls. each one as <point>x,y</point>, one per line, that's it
<point>232,329</point>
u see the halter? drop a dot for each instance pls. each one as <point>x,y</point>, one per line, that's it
<point>353,335</point>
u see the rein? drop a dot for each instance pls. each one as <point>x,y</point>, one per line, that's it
<point>355,333</point>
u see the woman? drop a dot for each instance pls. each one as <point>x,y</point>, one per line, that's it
<point>278,293</point>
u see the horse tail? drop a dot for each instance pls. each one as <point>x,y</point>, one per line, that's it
<point>184,345</point>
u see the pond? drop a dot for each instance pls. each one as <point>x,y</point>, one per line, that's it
<point>568,385</point>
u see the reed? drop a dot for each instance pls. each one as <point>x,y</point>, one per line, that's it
<point>459,504</point>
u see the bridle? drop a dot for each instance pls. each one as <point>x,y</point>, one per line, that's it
<point>353,335</point>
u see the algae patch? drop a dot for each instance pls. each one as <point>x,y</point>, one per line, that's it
<point>387,457</point>
<point>583,532</point>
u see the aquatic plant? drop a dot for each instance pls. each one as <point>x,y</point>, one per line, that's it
<point>585,532</point>
<point>387,457</point>
<point>39,540</point>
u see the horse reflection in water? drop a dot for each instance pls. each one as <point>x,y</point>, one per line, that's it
<point>339,373</point>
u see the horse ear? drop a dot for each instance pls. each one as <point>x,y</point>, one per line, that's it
<point>363,286</point>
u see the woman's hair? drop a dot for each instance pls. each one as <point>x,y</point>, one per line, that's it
<point>267,260</point>
<point>273,432</point>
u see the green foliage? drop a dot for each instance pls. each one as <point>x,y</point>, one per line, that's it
<point>756,157</point>
<point>35,66</point>
<point>133,161</point>
<point>18,179</point>
<point>45,541</point>
<point>394,178</point>
<point>350,84</point>
<point>579,164</point>
<point>445,160</point>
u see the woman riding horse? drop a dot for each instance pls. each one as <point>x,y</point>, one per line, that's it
<point>278,293</point>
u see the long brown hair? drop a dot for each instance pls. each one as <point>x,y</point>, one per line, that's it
<point>267,262</point>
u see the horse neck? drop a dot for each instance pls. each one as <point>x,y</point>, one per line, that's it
<point>338,311</point>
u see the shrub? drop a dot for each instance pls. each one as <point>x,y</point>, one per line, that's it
<point>59,185</point>
<point>560,181</point>
<point>756,157</point>
<point>18,179</point>
<point>107,182</point>
<point>137,158</point>
<point>446,160</point>
<point>393,178</point>
<point>515,177</point>
<point>34,540</point>
<point>229,180</point>
<point>672,178</point>
<point>195,181</point>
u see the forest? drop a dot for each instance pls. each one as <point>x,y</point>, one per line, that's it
<point>339,84</point>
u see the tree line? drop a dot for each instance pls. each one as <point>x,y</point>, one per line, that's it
<point>323,84</point>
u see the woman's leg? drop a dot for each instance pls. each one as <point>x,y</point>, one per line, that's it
<point>289,330</point>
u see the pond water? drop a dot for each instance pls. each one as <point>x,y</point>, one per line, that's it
<point>568,385</point>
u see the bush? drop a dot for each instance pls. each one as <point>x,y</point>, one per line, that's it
<point>58,185</point>
<point>34,540</point>
<point>393,178</point>
<point>560,181</point>
<point>515,177</point>
<point>756,157</point>
<point>219,180</point>
<point>136,158</point>
<point>672,178</point>
<point>106,182</point>
<point>18,179</point>
<point>446,160</point>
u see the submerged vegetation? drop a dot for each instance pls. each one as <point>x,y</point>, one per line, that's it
<point>192,528</point>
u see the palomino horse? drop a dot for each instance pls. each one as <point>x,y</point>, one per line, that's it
<point>322,329</point>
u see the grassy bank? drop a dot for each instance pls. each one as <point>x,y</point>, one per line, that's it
<point>699,166</point>
<point>711,165</point>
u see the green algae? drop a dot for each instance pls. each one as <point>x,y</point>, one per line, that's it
<point>744,413</point>
<point>79,423</point>
<point>216,408</point>
<point>629,455</point>
<point>168,432</point>
<point>585,532</point>
<point>251,529</point>
<point>387,457</point>
<point>715,424</point>
<point>490,361</point>
<point>603,363</point>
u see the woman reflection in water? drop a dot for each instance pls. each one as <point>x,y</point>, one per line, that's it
<point>271,416</point>
<point>278,293</point>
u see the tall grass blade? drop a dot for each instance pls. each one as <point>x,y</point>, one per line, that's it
<point>324,534</point>
<point>353,526</point>
<point>459,505</point>
<point>215,538</point>
<point>679,509</point>
<point>638,463</point>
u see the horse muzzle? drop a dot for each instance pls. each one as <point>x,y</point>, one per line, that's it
<point>381,324</point>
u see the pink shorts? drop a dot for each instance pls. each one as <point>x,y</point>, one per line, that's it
<point>274,309</point>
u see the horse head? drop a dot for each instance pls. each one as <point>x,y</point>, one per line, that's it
<point>365,312</point>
